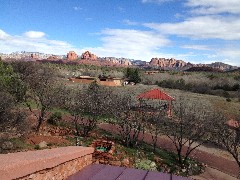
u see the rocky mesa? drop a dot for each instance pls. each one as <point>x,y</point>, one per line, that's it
<point>167,63</point>
<point>172,63</point>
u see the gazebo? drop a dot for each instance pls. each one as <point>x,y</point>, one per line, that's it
<point>157,94</point>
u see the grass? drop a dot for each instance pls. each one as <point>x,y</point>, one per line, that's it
<point>62,111</point>
<point>142,155</point>
<point>231,109</point>
<point>20,143</point>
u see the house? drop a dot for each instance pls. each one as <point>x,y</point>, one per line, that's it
<point>110,81</point>
<point>83,79</point>
<point>101,80</point>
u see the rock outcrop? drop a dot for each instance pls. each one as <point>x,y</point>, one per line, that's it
<point>88,56</point>
<point>182,65</point>
<point>117,61</point>
<point>167,63</point>
<point>222,66</point>
<point>72,55</point>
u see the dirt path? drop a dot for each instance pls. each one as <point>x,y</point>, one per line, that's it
<point>213,174</point>
<point>212,157</point>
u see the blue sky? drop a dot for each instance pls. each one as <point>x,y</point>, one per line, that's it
<point>198,31</point>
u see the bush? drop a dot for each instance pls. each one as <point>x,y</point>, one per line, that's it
<point>228,100</point>
<point>37,147</point>
<point>55,118</point>
<point>226,94</point>
<point>146,164</point>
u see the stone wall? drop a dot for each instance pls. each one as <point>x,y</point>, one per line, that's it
<point>58,163</point>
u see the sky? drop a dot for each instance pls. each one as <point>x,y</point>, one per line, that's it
<point>197,31</point>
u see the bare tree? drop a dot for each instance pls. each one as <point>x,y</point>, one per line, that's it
<point>228,136</point>
<point>188,129</point>
<point>155,125</point>
<point>92,102</point>
<point>75,103</point>
<point>43,92</point>
<point>130,121</point>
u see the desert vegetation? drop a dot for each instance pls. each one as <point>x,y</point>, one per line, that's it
<point>36,100</point>
<point>224,84</point>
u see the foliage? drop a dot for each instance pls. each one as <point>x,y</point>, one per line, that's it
<point>155,122</point>
<point>189,127</point>
<point>55,118</point>
<point>226,137</point>
<point>133,75</point>
<point>130,122</point>
<point>10,81</point>
<point>12,120</point>
<point>43,89</point>
<point>146,164</point>
<point>92,101</point>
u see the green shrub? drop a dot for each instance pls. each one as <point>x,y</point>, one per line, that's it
<point>228,100</point>
<point>55,118</point>
<point>37,147</point>
<point>146,164</point>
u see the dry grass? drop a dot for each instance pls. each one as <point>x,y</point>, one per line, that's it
<point>231,109</point>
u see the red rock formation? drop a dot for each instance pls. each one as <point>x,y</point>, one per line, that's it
<point>167,63</point>
<point>72,55</point>
<point>125,62</point>
<point>52,57</point>
<point>117,61</point>
<point>89,56</point>
<point>34,56</point>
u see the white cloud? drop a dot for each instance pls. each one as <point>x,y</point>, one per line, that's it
<point>202,27</point>
<point>3,35</point>
<point>208,20</point>
<point>77,8</point>
<point>34,34</point>
<point>32,42</point>
<point>214,6</point>
<point>196,47</point>
<point>230,54</point>
<point>130,23</point>
<point>130,44</point>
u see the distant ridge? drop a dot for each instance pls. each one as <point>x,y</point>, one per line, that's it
<point>173,64</point>
<point>91,59</point>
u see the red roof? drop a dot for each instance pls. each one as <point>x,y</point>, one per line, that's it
<point>155,94</point>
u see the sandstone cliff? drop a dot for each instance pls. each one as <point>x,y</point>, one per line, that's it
<point>88,56</point>
<point>182,65</point>
<point>72,55</point>
<point>117,61</point>
<point>167,63</point>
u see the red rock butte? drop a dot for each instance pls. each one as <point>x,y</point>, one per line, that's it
<point>162,62</point>
<point>88,56</point>
<point>72,55</point>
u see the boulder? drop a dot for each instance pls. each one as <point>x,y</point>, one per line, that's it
<point>42,144</point>
<point>7,145</point>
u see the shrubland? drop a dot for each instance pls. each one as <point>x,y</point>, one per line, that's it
<point>41,89</point>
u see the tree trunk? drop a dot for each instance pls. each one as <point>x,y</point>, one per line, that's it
<point>40,120</point>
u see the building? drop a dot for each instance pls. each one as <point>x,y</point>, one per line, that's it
<point>101,80</point>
